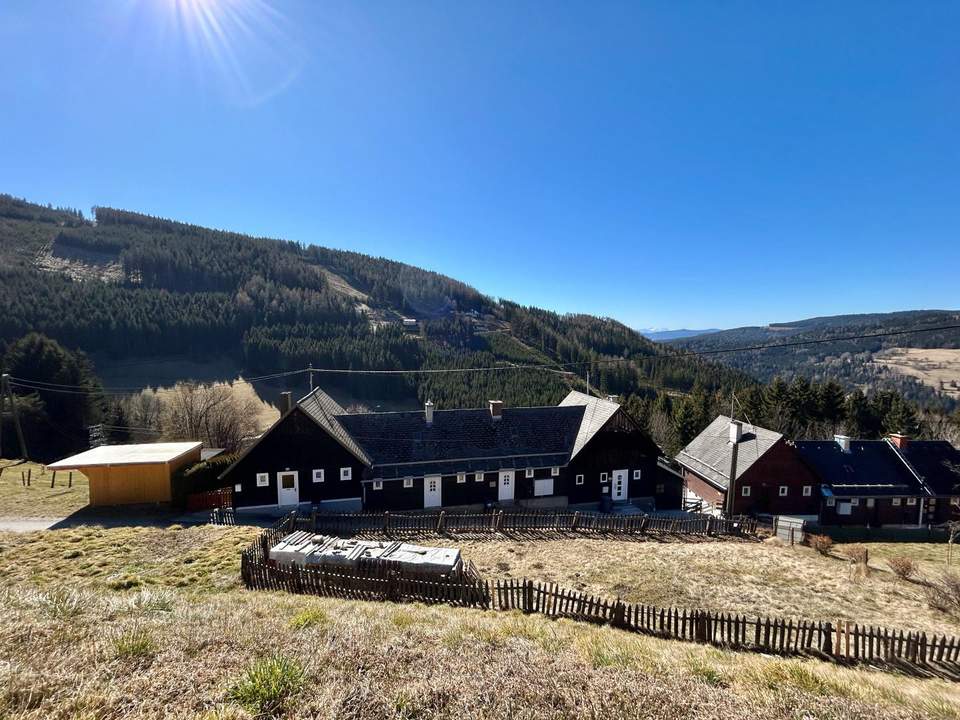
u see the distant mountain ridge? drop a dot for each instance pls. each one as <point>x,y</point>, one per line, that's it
<point>855,363</point>
<point>667,335</point>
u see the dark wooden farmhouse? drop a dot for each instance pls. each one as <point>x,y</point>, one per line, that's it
<point>890,482</point>
<point>579,452</point>
<point>769,476</point>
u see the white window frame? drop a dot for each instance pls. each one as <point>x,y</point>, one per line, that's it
<point>478,477</point>
<point>346,473</point>
<point>263,479</point>
<point>911,501</point>
<point>318,476</point>
<point>603,478</point>
<point>784,489</point>
<point>578,480</point>
<point>745,491</point>
<point>605,489</point>
<point>831,502</point>
<point>378,484</point>
<point>543,487</point>
<point>433,483</point>
<point>528,473</point>
<point>870,502</point>
<point>807,490</point>
<point>637,474</point>
<point>896,502</point>
<point>238,487</point>
<point>461,478</point>
<point>854,502</point>
<point>408,482</point>
<point>554,472</point>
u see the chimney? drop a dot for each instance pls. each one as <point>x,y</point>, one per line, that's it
<point>843,441</point>
<point>496,409</point>
<point>613,398</point>
<point>286,402</point>
<point>736,431</point>
<point>899,440</point>
<point>428,411</point>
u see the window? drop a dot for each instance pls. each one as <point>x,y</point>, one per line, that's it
<point>238,488</point>
<point>745,491</point>
<point>346,473</point>
<point>378,484</point>
<point>432,485</point>
<point>895,502</point>
<point>783,490</point>
<point>869,502</point>
<point>529,472</point>
<point>844,507</point>
<point>554,472</point>
<point>318,476</point>
<point>807,490</point>
<point>461,478</point>
<point>542,487</point>
<point>579,480</point>
<point>831,502</point>
<point>603,478</point>
<point>263,479</point>
<point>505,479</point>
<point>659,489</point>
<point>636,474</point>
<point>408,482</point>
<point>854,502</point>
<point>606,489</point>
<point>911,501</point>
<point>478,477</point>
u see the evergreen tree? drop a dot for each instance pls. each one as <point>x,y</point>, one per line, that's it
<point>830,404</point>
<point>857,416</point>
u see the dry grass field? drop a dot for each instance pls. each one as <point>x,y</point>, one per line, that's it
<point>148,623</point>
<point>937,367</point>
<point>40,500</point>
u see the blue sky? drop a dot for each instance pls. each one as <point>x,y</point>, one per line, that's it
<point>674,164</point>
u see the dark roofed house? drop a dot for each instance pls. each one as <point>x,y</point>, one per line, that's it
<point>769,478</point>
<point>936,464</point>
<point>578,452</point>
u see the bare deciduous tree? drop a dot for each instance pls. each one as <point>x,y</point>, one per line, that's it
<point>211,413</point>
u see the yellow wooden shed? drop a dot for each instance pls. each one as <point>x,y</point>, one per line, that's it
<point>131,474</point>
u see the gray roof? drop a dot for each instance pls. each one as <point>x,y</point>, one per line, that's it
<point>596,413</point>
<point>327,412</point>
<point>708,454</point>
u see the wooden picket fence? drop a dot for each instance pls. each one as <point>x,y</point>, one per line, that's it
<point>839,641</point>
<point>501,521</point>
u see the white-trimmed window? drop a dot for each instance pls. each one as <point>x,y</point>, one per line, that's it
<point>554,472</point>
<point>529,472</point>
<point>579,480</point>
<point>854,502</point>
<point>659,489</point>
<point>869,502</point>
<point>911,501</point>
<point>347,474</point>
<point>606,488</point>
<point>238,488</point>
<point>895,502</point>
<point>745,491</point>
<point>807,490</point>
<point>784,490</point>
<point>378,484</point>
<point>408,482</point>
<point>318,476</point>
<point>636,474</point>
<point>603,478</point>
<point>263,479</point>
<point>831,502</point>
<point>461,478</point>
<point>478,477</point>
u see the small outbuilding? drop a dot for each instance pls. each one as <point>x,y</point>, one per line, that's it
<point>131,474</point>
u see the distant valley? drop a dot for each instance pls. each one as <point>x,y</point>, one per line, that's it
<point>665,335</point>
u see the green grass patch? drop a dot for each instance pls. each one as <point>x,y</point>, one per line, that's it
<point>268,685</point>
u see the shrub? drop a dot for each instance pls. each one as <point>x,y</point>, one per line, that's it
<point>856,553</point>
<point>943,594</point>
<point>308,618</point>
<point>902,566</point>
<point>134,644</point>
<point>267,685</point>
<point>821,543</point>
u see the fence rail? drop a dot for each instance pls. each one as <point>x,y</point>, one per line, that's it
<point>839,641</point>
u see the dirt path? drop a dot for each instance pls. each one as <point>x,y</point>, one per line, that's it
<point>28,524</point>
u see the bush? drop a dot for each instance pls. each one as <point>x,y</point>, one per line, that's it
<point>267,685</point>
<point>856,553</point>
<point>823,544</point>
<point>943,594</point>
<point>902,566</point>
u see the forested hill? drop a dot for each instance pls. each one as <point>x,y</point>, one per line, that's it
<point>865,363</point>
<point>128,285</point>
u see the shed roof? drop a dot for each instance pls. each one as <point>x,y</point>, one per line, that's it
<point>708,454</point>
<point>137,454</point>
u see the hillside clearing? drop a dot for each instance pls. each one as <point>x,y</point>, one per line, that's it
<point>80,644</point>
<point>938,368</point>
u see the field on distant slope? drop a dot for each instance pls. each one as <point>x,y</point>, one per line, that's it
<point>148,622</point>
<point>938,368</point>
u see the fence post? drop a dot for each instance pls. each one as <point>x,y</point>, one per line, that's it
<point>441,521</point>
<point>576,520</point>
<point>498,519</point>
<point>617,620</point>
<point>527,596</point>
<point>791,537</point>
<point>386,520</point>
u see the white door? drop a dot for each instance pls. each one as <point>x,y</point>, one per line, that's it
<point>620,480</point>
<point>431,491</point>
<point>505,489</point>
<point>288,488</point>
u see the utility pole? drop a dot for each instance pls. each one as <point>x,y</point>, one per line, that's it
<point>5,391</point>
